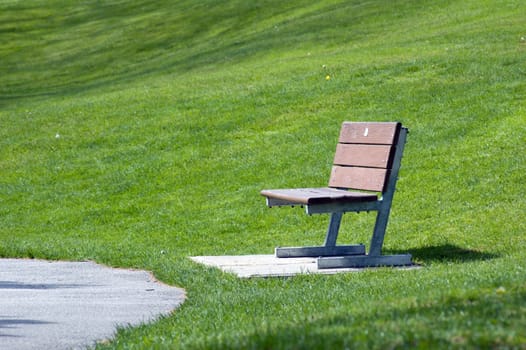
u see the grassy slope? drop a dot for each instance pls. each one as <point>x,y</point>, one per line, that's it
<point>172,116</point>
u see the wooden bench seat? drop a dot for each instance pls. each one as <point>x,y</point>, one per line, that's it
<point>363,178</point>
<point>311,196</point>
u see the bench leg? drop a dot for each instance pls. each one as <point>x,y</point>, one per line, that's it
<point>374,258</point>
<point>377,240</point>
<point>364,261</point>
<point>314,252</point>
<point>329,248</point>
<point>332,231</point>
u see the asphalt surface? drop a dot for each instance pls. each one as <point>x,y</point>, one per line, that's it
<point>74,305</point>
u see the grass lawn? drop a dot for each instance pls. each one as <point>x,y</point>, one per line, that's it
<point>139,133</point>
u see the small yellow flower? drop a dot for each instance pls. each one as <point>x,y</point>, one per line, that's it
<point>328,77</point>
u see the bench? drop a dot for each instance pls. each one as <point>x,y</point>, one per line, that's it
<point>363,178</point>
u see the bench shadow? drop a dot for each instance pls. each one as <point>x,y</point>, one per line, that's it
<point>446,253</point>
<point>9,323</point>
<point>22,285</point>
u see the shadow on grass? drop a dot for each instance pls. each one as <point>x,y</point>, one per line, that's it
<point>446,253</point>
<point>453,321</point>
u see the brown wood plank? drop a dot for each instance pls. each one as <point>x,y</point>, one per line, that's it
<point>369,133</point>
<point>292,196</point>
<point>376,156</point>
<point>368,179</point>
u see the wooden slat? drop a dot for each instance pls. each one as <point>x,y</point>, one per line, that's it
<point>369,133</point>
<point>368,179</point>
<point>376,156</point>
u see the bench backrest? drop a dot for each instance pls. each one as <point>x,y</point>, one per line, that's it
<point>365,155</point>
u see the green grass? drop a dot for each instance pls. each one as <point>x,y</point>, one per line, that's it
<point>137,134</point>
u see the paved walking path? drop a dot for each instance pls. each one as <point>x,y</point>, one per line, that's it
<point>73,305</point>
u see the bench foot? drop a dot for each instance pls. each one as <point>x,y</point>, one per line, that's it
<point>364,261</point>
<point>314,252</point>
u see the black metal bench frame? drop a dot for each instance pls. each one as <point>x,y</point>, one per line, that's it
<point>363,178</point>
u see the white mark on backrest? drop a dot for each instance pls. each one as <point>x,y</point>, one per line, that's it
<point>366,132</point>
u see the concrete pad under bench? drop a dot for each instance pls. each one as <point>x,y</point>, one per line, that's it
<point>247,266</point>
